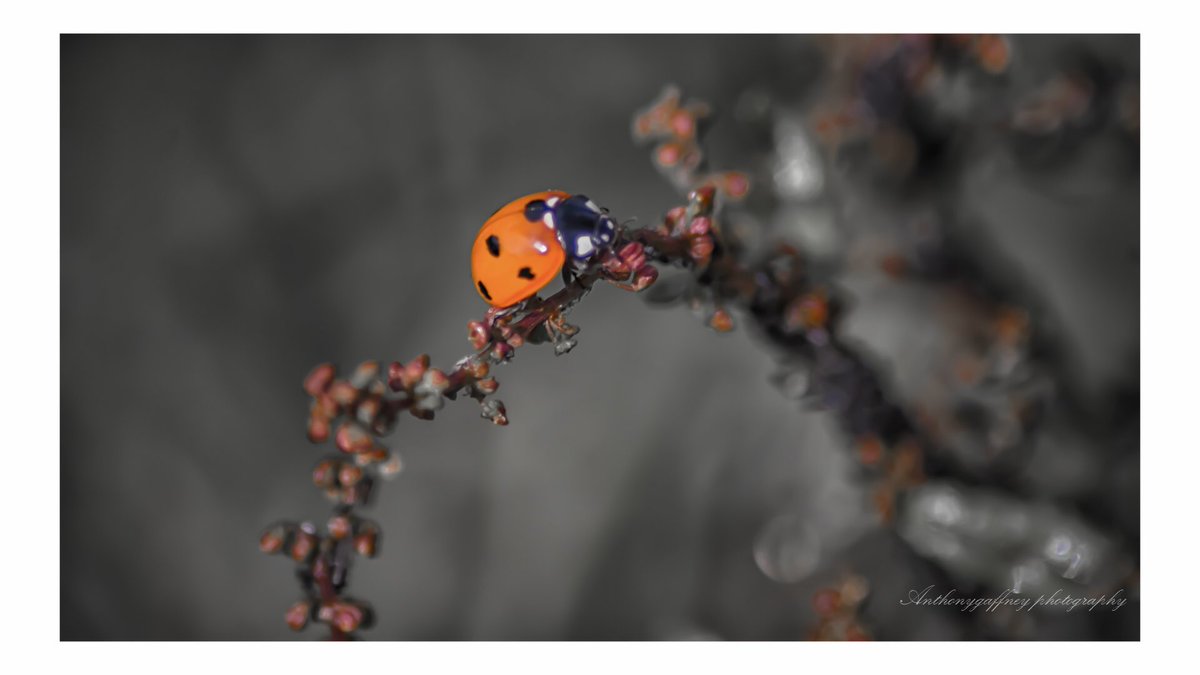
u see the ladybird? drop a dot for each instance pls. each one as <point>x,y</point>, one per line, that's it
<point>528,241</point>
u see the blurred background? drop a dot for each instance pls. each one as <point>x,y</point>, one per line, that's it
<point>236,210</point>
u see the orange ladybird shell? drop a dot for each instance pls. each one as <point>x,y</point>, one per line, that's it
<point>512,258</point>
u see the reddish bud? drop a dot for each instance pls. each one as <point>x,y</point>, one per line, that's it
<point>894,265</point>
<point>318,380</point>
<point>502,351</point>
<point>364,373</point>
<point>683,124</point>
<point>645,277</point>
<point>870,450</point>
<point>351,438</point>
<point>668,154</point>
<point>701,249</point>
<point>369,408</point>
<point>721,321</point>
<point>347,617</point>
<point>703,196</point>
<point>494,410</point>
<point>615,267</point>
<point>340,526</point>
<point>906,466</point>
<point>633,254</point>
<point>395,375</point>
<point>736,184</point>
<point>365,543</point>
<point>349,475</point>
<point>318,429</point>
<point>303,546</point>
<point>487,386</point>
<point>325,473</point>
<point>391,466</point>
<point>674,217</point>
<point>885,503</point>
<point>826,602</point>
<point>298,614</point>
<point>855,633</point>
<point>700,225</point>
<point>477,369</point>
<point>325,612</point>
<point>343,393</point>
<point>374,454</point>
<point>273,539</point>
<point>809,311</point>
<point>478,334</point>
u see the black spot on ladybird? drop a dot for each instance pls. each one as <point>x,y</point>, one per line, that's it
<point>534,210</point>
<point>483,289</point>
<point>493,244</point>
<point>525,273</point>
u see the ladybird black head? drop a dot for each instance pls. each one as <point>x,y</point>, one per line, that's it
<point>493,246</point>
<point>483,289</point>
<point>534,210</point>
<point>525,273</point>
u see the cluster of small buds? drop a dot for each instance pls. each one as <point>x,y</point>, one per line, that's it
<point>837,608</point>
<point>688,235</point>
<point>323,561</point>
<point>360,398</point>
<point>992,52</point>
<point>878,83</point>
<point>345,616</point>
<point>898,466</point>
<point>676,127</point>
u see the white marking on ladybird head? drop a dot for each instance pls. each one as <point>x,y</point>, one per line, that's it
<point>592,205</point>
<point>540,247</point>
<point>583,245</point>
<point>552,201</point>
<point>548,219</point>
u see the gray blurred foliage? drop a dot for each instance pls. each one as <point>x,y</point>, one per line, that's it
<point>238,209</point>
